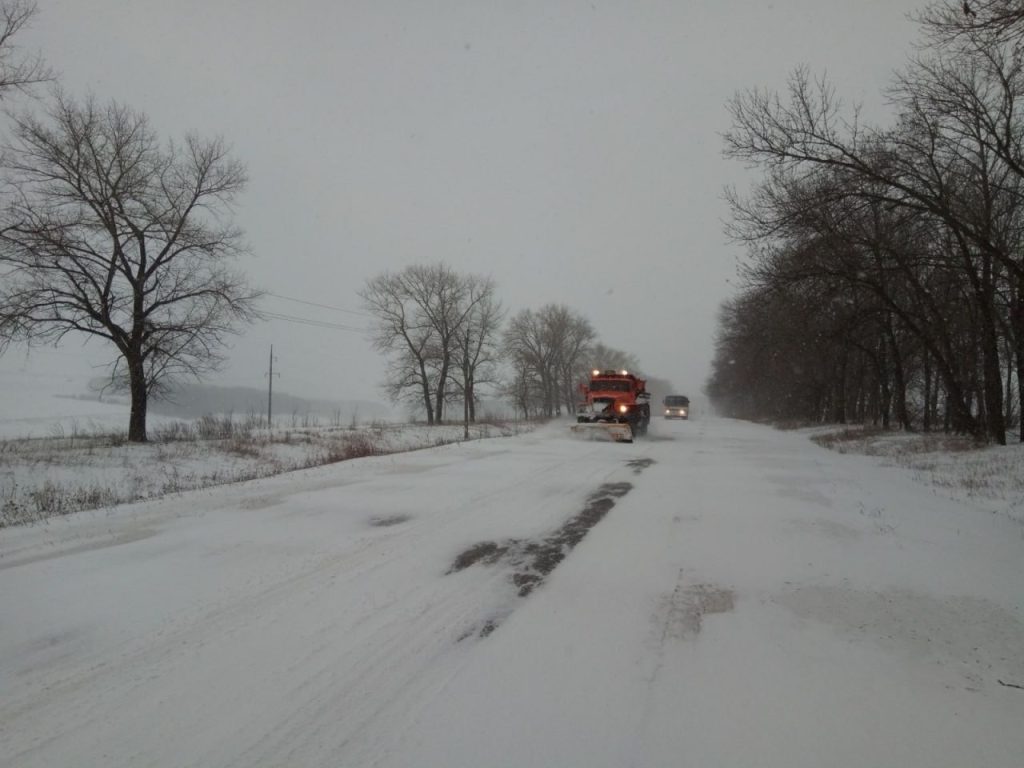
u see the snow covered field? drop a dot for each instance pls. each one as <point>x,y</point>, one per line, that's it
<point>39,401</point>
<point>60,453</point>
<point>44,477</point>
<point>720,594</point>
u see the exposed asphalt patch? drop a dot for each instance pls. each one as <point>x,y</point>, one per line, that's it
<point>489,626</point>
<point>532,560</point>
<point>385,522</point>
<point>639,465</point>
<point>486,551</point>
<point>685,609</point>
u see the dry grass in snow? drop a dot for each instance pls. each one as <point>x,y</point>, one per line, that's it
<point>958,465</point>
<point>44,477</point>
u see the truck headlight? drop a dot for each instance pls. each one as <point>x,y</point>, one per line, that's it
<point>623,408</point>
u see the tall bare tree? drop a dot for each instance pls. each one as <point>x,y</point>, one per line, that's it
<point>526,347</point>
<point>109,233</point>
<point>571,336</point>
<point>546,348</point>
<point>18,71</point>
<point>432,322</point>
<point>401,331</point>
<point>439,295</point>
<point>476,340</point>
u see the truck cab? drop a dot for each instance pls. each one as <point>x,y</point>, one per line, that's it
<point>615,398</point>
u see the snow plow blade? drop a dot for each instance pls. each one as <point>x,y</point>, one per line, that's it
<point>603,430</point>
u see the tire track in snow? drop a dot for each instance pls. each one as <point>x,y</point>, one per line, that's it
<point>532,561</point>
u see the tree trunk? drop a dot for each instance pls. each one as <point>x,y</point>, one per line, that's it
<point>1020,388</point>
<point>1017,326</point>
<point>993,375</point>
<point>1008,392</point>
<point>442,379</point>
<point>860,413</point>
<point>993,386</point>
<point>140,400</point>
<point>885,396</point>
<point>839,403</point>
<point>425,384</point>
<point>926,417</point>
<point>899,377</point>
<point>549,394</point>
<point>958,404</point>
<point>467,389</point>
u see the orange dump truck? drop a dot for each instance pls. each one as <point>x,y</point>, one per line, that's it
<point>614,404</point>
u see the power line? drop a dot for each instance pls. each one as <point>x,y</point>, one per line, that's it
<point>315,304</point>
<point>313,323</point>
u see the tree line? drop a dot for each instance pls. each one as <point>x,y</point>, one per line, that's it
<point>885,278</point>
<point>446,336</point>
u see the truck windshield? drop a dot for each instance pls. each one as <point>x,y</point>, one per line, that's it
<point>677,401</point>
<point>609,386</point>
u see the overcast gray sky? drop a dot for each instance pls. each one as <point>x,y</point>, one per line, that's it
<point>570,150</point>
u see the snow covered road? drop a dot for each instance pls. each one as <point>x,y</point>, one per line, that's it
<point>735,596</point>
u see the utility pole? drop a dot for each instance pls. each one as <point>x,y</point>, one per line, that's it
<point>270,388</point>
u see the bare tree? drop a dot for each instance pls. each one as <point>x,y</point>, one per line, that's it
<point>18,72</point>
<point>526,347</point>
<point>439,296</point>
<point>524,391</point>
<point>602,356</point>
<point>402,332</point>
<point>972,21</point>
<point>570,335</point>
<point>107,232</point>
<point>475,349</point>
<point>546,349</point>
<point>432,322</point>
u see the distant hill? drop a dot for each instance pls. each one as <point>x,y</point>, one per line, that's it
<point>192,400</point>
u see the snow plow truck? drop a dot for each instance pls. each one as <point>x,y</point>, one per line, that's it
<point>615,404</point>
